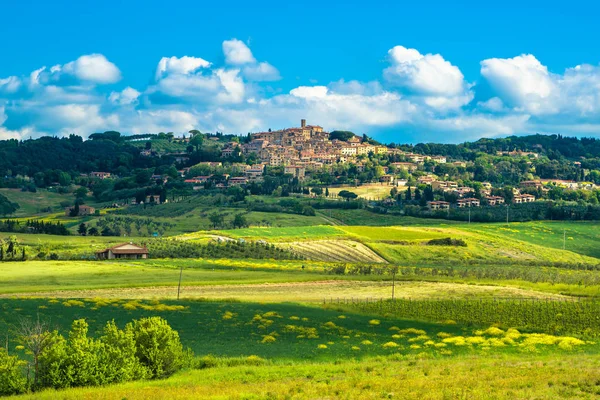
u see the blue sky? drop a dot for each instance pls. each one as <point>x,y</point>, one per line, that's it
<point>399,71</point>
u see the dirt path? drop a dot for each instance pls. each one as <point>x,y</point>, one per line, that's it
<point>303,291</point>
<point>331,220</point>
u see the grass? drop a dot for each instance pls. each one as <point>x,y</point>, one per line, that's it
<point>297,332</point>
<point>308,291</point>
<point>422,378</point>
<point>33,203</point>
<point>285,234</point>
<point>348,251</point>
<point>580,237</point>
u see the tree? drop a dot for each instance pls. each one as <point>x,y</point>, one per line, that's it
<point>12,380</point>
<point>158,346</point>
<point>36,338</point>
<point>317,191</point>
<point>408,194</point>
<point>75,210</point>
<point>12,245</point>
<point>197,141</point>
<point>81,192</point>
<point>326,192</point>
<point>82,230</point>
<point>341,135</point>
<point>93,231</point>
<point>239,221</point>
<point>6,206</point>
<point>345,194</point>
<point>216,219</point>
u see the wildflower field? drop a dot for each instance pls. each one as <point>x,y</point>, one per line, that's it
<point>293,332</point>
<point>507,315</point>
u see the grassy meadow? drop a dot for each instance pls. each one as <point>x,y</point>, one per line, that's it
<point>480,310</point>
<point>573,376</point>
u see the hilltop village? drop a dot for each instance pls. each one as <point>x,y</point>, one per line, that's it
<point>537,175</point>
<point>306,151</point>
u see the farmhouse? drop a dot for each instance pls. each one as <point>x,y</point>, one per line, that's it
<point>100,175</point>
<point>83,211</point>
<point>468,202</point>
<point>494,200</point>
<point>125,250</point>
<point>523,198</point>
<point>438,205</point>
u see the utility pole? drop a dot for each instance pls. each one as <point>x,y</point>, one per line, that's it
<point>179,285</point>
<point>393,283</point>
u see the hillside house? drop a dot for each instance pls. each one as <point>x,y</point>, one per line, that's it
<point>125,250</point>
<point>100,175</point>
<point>153,198</point>
<point>237,181</point>
<point>444,185</point>
<point>410,167</point>
<point>438,205</point>
<point>494,200</point>
<point>83,211</point>
<point>296,171</point>
<point>389,179</point>
<point>468,202</point>
<point>523,198</point>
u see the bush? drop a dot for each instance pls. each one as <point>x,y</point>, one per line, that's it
<point>12,380</point>
<point>148,348</point>
<point>157,346</point>
<point>447,242</point>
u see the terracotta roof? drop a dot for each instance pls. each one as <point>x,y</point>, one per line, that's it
<point>116,249</point>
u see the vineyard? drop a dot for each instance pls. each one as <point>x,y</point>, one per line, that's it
<point>214,249</point>
<point>581,318</point>
<point>335,251</point>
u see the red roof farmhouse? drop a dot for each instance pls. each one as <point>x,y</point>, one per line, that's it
<point>125,250</point>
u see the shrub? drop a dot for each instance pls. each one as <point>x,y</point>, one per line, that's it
<point>12,380</point>
<point>158,346</point>
<point>447,242</point>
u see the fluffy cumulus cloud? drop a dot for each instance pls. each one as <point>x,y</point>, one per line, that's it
<point>184,65</point>
<point>436,81</point>
<point>91,69</point>
<point>237,53</point>
<point>416,92</point>
<point>521,82</point>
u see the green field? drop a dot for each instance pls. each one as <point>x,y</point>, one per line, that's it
<point>509,299</point>
<point>33,203</point>
<point>424,378</point>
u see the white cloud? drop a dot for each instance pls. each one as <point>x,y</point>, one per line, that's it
<point>428,79</point>
<point>521,82</point>
<point>127,96</point>
<point>261,72</point>
<point>237,53</point>
<point>184,65</point>
<point>422,95</point>
<point>345,111</point>
<point>426,74</point>
<point>494,104</point>
<point>93,68</point>
<point>310,92</point>
<point>475,126</point>
<point>233,85</point>
<point>10,84</point>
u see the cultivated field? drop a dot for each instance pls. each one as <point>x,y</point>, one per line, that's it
<point>475,306</point>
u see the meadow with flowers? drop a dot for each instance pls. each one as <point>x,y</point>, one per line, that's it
<point>505,312</point>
